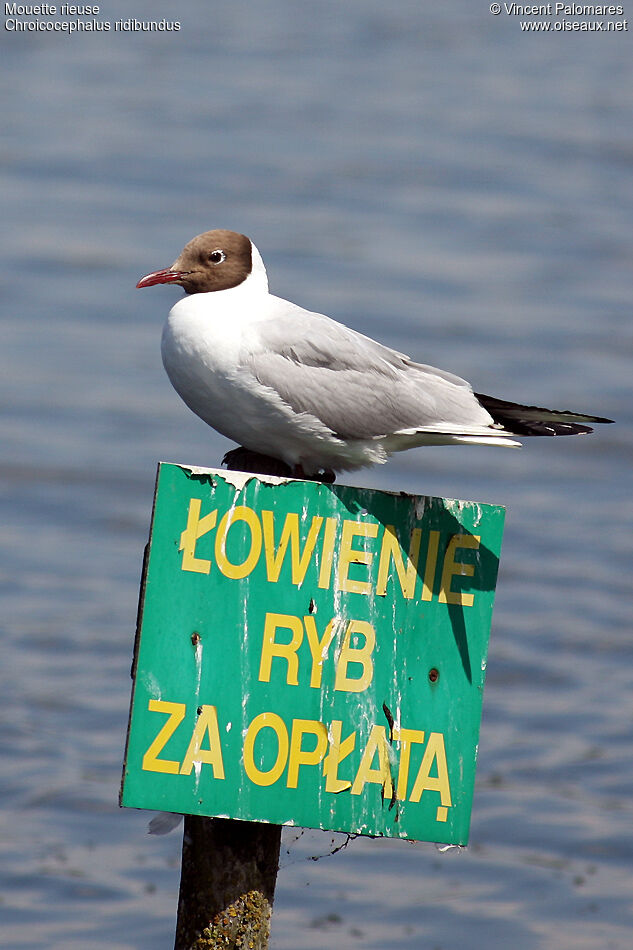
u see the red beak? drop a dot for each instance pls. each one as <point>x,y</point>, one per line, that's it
<point>166,276</point>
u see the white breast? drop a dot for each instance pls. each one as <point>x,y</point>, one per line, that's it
<point>206,341</point>
<point>201,345</point>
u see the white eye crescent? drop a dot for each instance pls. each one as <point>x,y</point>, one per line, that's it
<point>217,256</point>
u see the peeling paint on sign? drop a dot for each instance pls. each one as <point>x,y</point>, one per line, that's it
<point>311,654</point>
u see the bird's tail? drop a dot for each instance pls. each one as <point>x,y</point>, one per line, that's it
<point>532,420</point>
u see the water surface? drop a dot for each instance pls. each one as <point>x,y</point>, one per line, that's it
<point>435,178</point>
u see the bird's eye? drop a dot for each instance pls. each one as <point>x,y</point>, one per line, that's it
<point>216,257</point>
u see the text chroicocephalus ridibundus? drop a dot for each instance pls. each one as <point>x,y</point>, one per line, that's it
<point>306,390</point>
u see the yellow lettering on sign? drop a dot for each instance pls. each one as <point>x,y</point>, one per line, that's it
<point>390,551</point>
<point>318,647</point>
<point>435,752</point>
<point>286,651</point>
<point>353,654</point>
<point>299,756</point>
<point>327,553</point>
<point>176,713</point>
<point>272,721</point>
<point>231,517</point>
<point>196,528</point>
<point>289,536</point>
<point>406,738</point>
<point>349,555</point>
<point>207,723</point>
<point>377,742</point>
<point>454,568</point>
<point>430,566</point>
<point>338,751</point>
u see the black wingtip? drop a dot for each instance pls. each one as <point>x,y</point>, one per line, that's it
<point>538,421</point>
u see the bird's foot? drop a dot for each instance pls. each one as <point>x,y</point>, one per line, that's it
<point>245,460</point>
<point>323,475</point>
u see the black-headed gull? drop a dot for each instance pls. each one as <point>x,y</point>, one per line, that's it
<point>300,387</point>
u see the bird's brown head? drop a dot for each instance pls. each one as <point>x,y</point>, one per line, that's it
<point>215,260</point>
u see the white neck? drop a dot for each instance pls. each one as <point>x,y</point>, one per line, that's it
<point>257,280</point>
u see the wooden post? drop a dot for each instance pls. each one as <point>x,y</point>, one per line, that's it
<point>227,884</point>
<point>229,868</point>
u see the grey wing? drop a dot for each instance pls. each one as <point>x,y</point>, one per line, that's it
<point>355,386</point>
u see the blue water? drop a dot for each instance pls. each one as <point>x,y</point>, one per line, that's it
<point>433,177</point>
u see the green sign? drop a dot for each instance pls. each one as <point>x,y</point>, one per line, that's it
<point>311,654</point>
